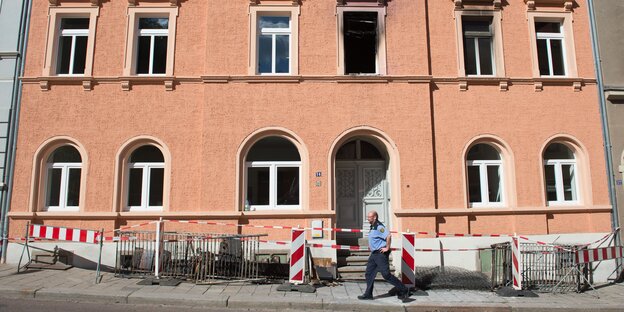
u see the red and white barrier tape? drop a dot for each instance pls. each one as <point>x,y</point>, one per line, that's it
<point>123,228</point>
<point>280,227</point>
<point>452,249</point>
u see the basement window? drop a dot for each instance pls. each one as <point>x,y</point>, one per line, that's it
<point>362,42</point>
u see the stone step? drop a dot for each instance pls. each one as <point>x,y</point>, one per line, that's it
<point>355,259</point>
<point>358,277</point>
<point>356,269</point>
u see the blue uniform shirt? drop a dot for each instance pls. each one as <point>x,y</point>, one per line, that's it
<point>377,236</point>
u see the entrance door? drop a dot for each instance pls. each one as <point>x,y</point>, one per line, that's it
<point>361,186</point>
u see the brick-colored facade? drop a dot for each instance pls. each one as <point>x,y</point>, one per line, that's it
<point>211,110</point>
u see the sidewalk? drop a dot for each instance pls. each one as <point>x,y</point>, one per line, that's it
<point>78,285</point>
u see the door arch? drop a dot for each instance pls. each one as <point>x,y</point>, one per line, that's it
<point>363,167</point>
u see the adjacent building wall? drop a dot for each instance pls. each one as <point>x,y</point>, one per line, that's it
<point>608,15</point>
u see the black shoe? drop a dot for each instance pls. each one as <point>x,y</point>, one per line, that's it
<point>365,297</point>
<point>403,295</point>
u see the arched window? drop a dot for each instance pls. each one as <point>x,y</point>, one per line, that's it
<point>63,170</point>
<point>560,175</point>
<point>485,176</point>
<point>146,170</point>
<point>272,175</point>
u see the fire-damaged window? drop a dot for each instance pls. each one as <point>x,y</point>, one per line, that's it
<point>360,31</point>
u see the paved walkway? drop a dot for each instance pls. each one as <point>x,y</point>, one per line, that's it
<point>78,285</point>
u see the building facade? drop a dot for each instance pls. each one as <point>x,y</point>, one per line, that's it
<point>444,116</point>
<point>610,39</point>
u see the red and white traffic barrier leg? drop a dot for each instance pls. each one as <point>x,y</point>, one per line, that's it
<point>408,265</point>
<point>297,256</point>
<point>516,261</point>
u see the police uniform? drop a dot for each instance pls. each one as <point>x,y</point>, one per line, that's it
<point>378,261</point>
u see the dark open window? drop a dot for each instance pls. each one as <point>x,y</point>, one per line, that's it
<point>478,46</point>
<point>360,42</point>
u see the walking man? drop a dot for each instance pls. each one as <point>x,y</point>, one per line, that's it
<point>379,244</point>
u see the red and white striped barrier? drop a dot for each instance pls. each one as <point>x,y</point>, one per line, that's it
<point>63,234</point>
<point>516,263</point>
<point>297,256</point>
<point>408,265</point>
<point>38,231</point>
<point>599,254</point>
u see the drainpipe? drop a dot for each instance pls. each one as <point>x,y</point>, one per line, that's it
<point>13,123</point>
<point>605,123</point>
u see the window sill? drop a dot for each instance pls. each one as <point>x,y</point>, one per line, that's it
<point>289,213</point>
<point>63,215</point>
<point>486,206</point>
<point>501,211</point>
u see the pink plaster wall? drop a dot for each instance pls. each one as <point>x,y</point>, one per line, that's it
<point>204,124</point>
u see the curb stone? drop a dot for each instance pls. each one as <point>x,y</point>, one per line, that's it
<point>24,293</point>
<point>297,303</point>
<point>68,294</point>
<point>177,299</point>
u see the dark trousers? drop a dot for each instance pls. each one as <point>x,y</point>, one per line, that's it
<point>378,262</point>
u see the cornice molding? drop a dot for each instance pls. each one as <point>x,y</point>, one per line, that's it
<point>258,2</point>
<point>170,82</point>
<point>136,2</point>
<point>57,2</point>
<point>532,5</point>
<point>496,4</point>
<point>379,2</point>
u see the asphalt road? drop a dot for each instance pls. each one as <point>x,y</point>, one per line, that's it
<point>29,305</point>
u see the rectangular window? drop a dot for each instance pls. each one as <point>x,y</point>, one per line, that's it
<point>273,185</point>
<point>73,187</point>
<point>550,51</point>
<point>70,40</point>
<point>54,187</point>
<point>478,49</point>
<point>152,46</point>
<point>274,36</point>
<point>135,189</point>
<point>258,186</point>
<point>360,42</point>
<point>561,184</point>
<point>72,46</point>
<point>63,187</point>
<point>485,183</point>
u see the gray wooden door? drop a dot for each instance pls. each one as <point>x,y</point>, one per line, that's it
<point>361,186</point>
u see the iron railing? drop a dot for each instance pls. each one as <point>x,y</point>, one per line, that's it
<point>198,257</point>
<point>545,268</point>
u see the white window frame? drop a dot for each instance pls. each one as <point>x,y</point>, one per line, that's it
<point>145,185</point>
<point>274,32</point>
<point>255,11</point>
<point>272,165</point>
<point>56,14</point>
<point>65,168</point>
<point>152,33</point>
<point>558,163</point>
<point>132,42</point>
<point>548,37</point>
<point>498,62</point>
<point>565,19</point>
<point>73,33</point>
<point>476,38</point>
<point>483,177</point>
